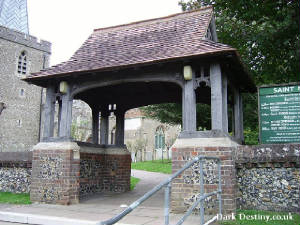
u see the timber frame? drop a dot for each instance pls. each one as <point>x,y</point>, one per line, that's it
<point>155,84</point>
<point>217,74</point>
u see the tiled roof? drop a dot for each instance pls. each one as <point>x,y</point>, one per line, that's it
<point>134,113</point>
<point>177,36</point>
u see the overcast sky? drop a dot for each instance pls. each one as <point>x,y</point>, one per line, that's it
<point>68,23</point>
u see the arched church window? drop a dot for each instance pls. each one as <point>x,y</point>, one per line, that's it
<point>159,138</point>
<point>22,63</point>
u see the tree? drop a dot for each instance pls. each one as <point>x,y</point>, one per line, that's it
<point>171,113</point>
<point>265,33</point>
<point>80,131</point>
<point>138,145</point>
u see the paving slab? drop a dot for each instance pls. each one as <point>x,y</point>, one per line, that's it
<point>98,208</point>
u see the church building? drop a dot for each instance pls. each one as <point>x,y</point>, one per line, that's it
<point>20,55</point>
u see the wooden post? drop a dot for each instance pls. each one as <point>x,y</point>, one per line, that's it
<point>241,119</point>
<point>59,115</point>
<point>224,104</point>
<point>238,116</point>
<point>49,113</point>
<point>120,125</point>
<point>217,107</point>
<point>104,125</point>
<point>189,118</point>
<point>95,125</point>
<point>66,115</point>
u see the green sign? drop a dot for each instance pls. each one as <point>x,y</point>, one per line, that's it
<point>279,114</point>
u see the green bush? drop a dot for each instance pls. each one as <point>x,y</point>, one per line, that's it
<point>251,137</point>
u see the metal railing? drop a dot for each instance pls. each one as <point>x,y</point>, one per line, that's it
<point>167,185</point>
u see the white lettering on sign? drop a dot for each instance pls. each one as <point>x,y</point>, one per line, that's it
<point>283,89</point>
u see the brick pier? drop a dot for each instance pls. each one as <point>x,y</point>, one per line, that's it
<point>186,187</point>
<point>63,172</point>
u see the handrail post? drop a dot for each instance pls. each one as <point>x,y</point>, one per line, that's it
<point>167,202</point>
<point>168,184</point>
<point>220,188</point>
<point>201,191</point>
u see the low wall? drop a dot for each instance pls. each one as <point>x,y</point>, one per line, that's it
<point>63,173</point>
<point>268,177</point>
<point>91,173</point>
<point>55,173</point>
<point>15,171</point>
<point>104,169</point>
<point>185,188</point>
<point>263,177</point>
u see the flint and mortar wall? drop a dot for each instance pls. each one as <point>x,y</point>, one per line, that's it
<point>62,176</point>
<point>268,177</point>
<point>55,175</point>
<point>15,171</point>
<point>263,177</point>
<point>104,170</point>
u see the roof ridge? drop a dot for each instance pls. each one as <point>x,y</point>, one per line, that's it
<point>206,8</point>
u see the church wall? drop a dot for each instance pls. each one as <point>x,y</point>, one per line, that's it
<point>19,121</point>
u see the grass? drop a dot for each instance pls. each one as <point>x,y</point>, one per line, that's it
<point>276,218</point>
<point>12,198</point>
<point>154,166</point>
<point>133,182</point>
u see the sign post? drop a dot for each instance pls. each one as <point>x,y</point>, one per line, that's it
<point>279,113</point>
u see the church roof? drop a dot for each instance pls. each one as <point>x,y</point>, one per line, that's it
<point>150,41</point>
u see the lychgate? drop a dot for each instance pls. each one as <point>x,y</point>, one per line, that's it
<point>173,59</point>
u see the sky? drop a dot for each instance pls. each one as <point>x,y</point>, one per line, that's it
<point>68,23</point>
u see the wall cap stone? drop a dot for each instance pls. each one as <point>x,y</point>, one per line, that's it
<point>57,146</point>
<point>203,134</point>
<point>104,151</point>
<point>15,157</point>
<point>204,142</point>
<point>271,153</point>
<point>77,147</point>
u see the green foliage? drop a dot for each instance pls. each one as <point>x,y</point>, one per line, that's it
<point>240,221</point>
<point>80,131</point>
<point>171,113</point>
<point>154,166</point>
<point>12,198</point>
<point>266,34</point>
<point>133,182</point>
<point>166,113</point>
<point>251,137</point>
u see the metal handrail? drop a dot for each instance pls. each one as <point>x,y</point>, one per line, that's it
<point>167,184</point>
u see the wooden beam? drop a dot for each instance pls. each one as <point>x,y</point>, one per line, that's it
<point>49,112</point>
<point>95,125</point>
<point>189,119</point>
<point>104,125</point>
<point>66,115</point>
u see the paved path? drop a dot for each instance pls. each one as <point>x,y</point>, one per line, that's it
<point>96,208</point>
